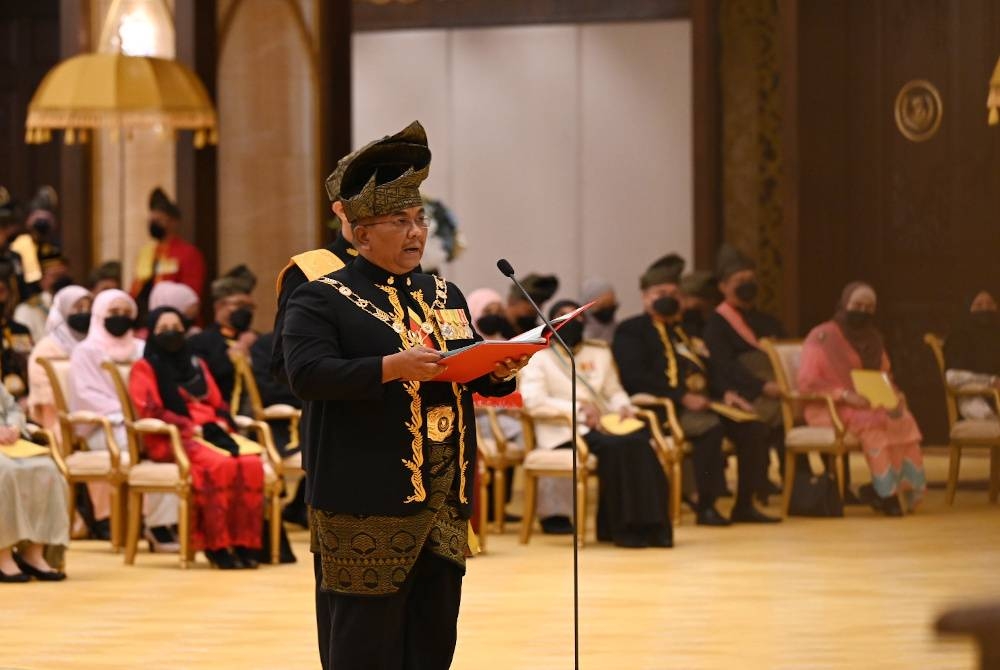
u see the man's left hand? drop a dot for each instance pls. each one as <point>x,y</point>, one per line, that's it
<point>508,367</point>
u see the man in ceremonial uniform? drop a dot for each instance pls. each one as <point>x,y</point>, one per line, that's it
<point>656,356</point>
<point>392,454</point>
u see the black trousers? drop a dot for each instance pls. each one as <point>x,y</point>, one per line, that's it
<point>413,629</point>
<point>751,441</point>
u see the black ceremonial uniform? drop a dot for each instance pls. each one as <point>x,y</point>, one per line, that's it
<point>390,465</point>
<point>662,360</point>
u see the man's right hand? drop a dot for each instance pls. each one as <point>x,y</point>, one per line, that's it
<point>694,402</point>
<point>419,364</point>
<point>856,400</point>
<point>9,435</point>
<point>591,414</point>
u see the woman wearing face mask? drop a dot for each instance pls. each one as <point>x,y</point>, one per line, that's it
<point>65,327</point>
<point>173,385</point>
<point>890,439</point>
<point>972,355</point>
<point>632,508</point>
<point>601,317</point>
<point>488,317</point>
<point>110,338</point>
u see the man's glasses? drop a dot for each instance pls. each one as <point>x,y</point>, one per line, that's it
<point>401,223</point>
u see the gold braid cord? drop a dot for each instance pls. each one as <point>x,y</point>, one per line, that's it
<point>440,299</point>
<point>415,425</point>
<point>668,349</point>
<point>693,357</point>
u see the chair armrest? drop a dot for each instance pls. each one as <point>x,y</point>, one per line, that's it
<point>650,400</point>
<point>665,451</point>
<point>278,412</point>
<point>151,426</point>
<point>85,418</point>
<point>265,439</point>
<point>831,406</point>
<point>45,437</point>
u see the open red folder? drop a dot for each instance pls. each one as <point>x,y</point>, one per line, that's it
<point>471,362</point>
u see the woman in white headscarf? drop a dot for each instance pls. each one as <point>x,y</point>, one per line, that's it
<point>65,328</point>
<point>111,338</point>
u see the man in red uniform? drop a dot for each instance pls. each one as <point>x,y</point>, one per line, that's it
<point>166,257</point>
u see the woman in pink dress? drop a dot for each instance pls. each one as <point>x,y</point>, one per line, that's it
<point>890,439</point>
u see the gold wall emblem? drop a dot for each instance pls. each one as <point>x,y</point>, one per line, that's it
<point>918,110</point>
<point>440,423</point>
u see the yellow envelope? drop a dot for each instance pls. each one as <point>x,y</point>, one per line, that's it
<point>23,449</point>
<point>876,387</point>
<point>733,413</point>
<point>614,424</point>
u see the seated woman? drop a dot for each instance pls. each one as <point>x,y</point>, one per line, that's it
<point>182,298</point>
<point>633,499</point>
<point>33,504</point>
<point>972,355</point>
<point>110,338</point>
<point>890,439</point>
<point>171,384</point>
<point>65,327</point>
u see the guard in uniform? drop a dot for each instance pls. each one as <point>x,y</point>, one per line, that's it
<point>392,454</point>
<point>656,356</point>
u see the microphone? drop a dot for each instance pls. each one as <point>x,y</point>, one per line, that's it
<point>507,270</point>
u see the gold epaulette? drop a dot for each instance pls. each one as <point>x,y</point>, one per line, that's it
<point>314,264</point>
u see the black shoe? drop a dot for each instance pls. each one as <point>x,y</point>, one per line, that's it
<point>557,525</point>
<point>891,506</point>
<point>101,530</point>
<point>851,499</point>
<point>750,514</point>
<point>29,570</point>
<point>245,558</point>
<point>711,517</point>
<point>221,559</point>
<point>16,578</point>
<point>659,536</point>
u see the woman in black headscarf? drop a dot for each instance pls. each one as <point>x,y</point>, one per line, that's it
<point>171,384</point>
<point>972,354</point>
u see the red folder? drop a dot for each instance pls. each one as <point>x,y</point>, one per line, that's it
<point>471,362</point>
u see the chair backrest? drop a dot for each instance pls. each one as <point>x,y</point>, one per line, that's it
<point>57,370</point>
<point>786,357</point>
<point>247,383</point>
<point>936,344</point>
<point>119,373</point>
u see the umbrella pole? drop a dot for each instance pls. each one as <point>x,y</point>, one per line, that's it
<point>121,194</point>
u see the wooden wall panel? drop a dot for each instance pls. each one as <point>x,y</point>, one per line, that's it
<point>916,219</point>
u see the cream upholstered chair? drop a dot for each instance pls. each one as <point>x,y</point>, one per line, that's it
<point>146,476</point>
<point>280,473</point>
<point>832,441</point>
<point>673,450</point>
<point>497,454</point>
<point>81,464</point>
<point>977,433</point>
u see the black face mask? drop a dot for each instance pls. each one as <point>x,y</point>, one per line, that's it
<point>118,325</point>
<point>667,306</point>
<point>747,291</point>
<point>187,323</point>
<point>240,319</point>
<point>79,322</point>
<point>156,230</point>
<point>171,341</point>
<point>42,227</point>
<point>572,332</point>
<point>605,315</point>
<point>985,318</point>
<point>495,324</point>
<point>526,322</point>
<point>858,319</point>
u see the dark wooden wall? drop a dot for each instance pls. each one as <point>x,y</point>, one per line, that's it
<point>918,220</point>
<point>29,46</point>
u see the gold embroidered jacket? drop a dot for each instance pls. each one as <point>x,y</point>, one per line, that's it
<point>366,439</point>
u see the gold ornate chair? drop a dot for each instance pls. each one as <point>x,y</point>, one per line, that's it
<point>497,454</point>
<point>831,441</point>
<point>482,493</point>
<point>80,464</point>
<point>674,447</point>
<point>976,433</point>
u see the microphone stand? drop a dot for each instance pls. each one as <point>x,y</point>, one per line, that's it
<point>508,271</point>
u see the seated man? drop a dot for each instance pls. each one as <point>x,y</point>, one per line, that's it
<point>656,356</point>
<point>733,333</point>
<point>234,309</point>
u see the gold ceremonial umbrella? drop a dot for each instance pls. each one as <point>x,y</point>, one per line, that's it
<point>120,93</point>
